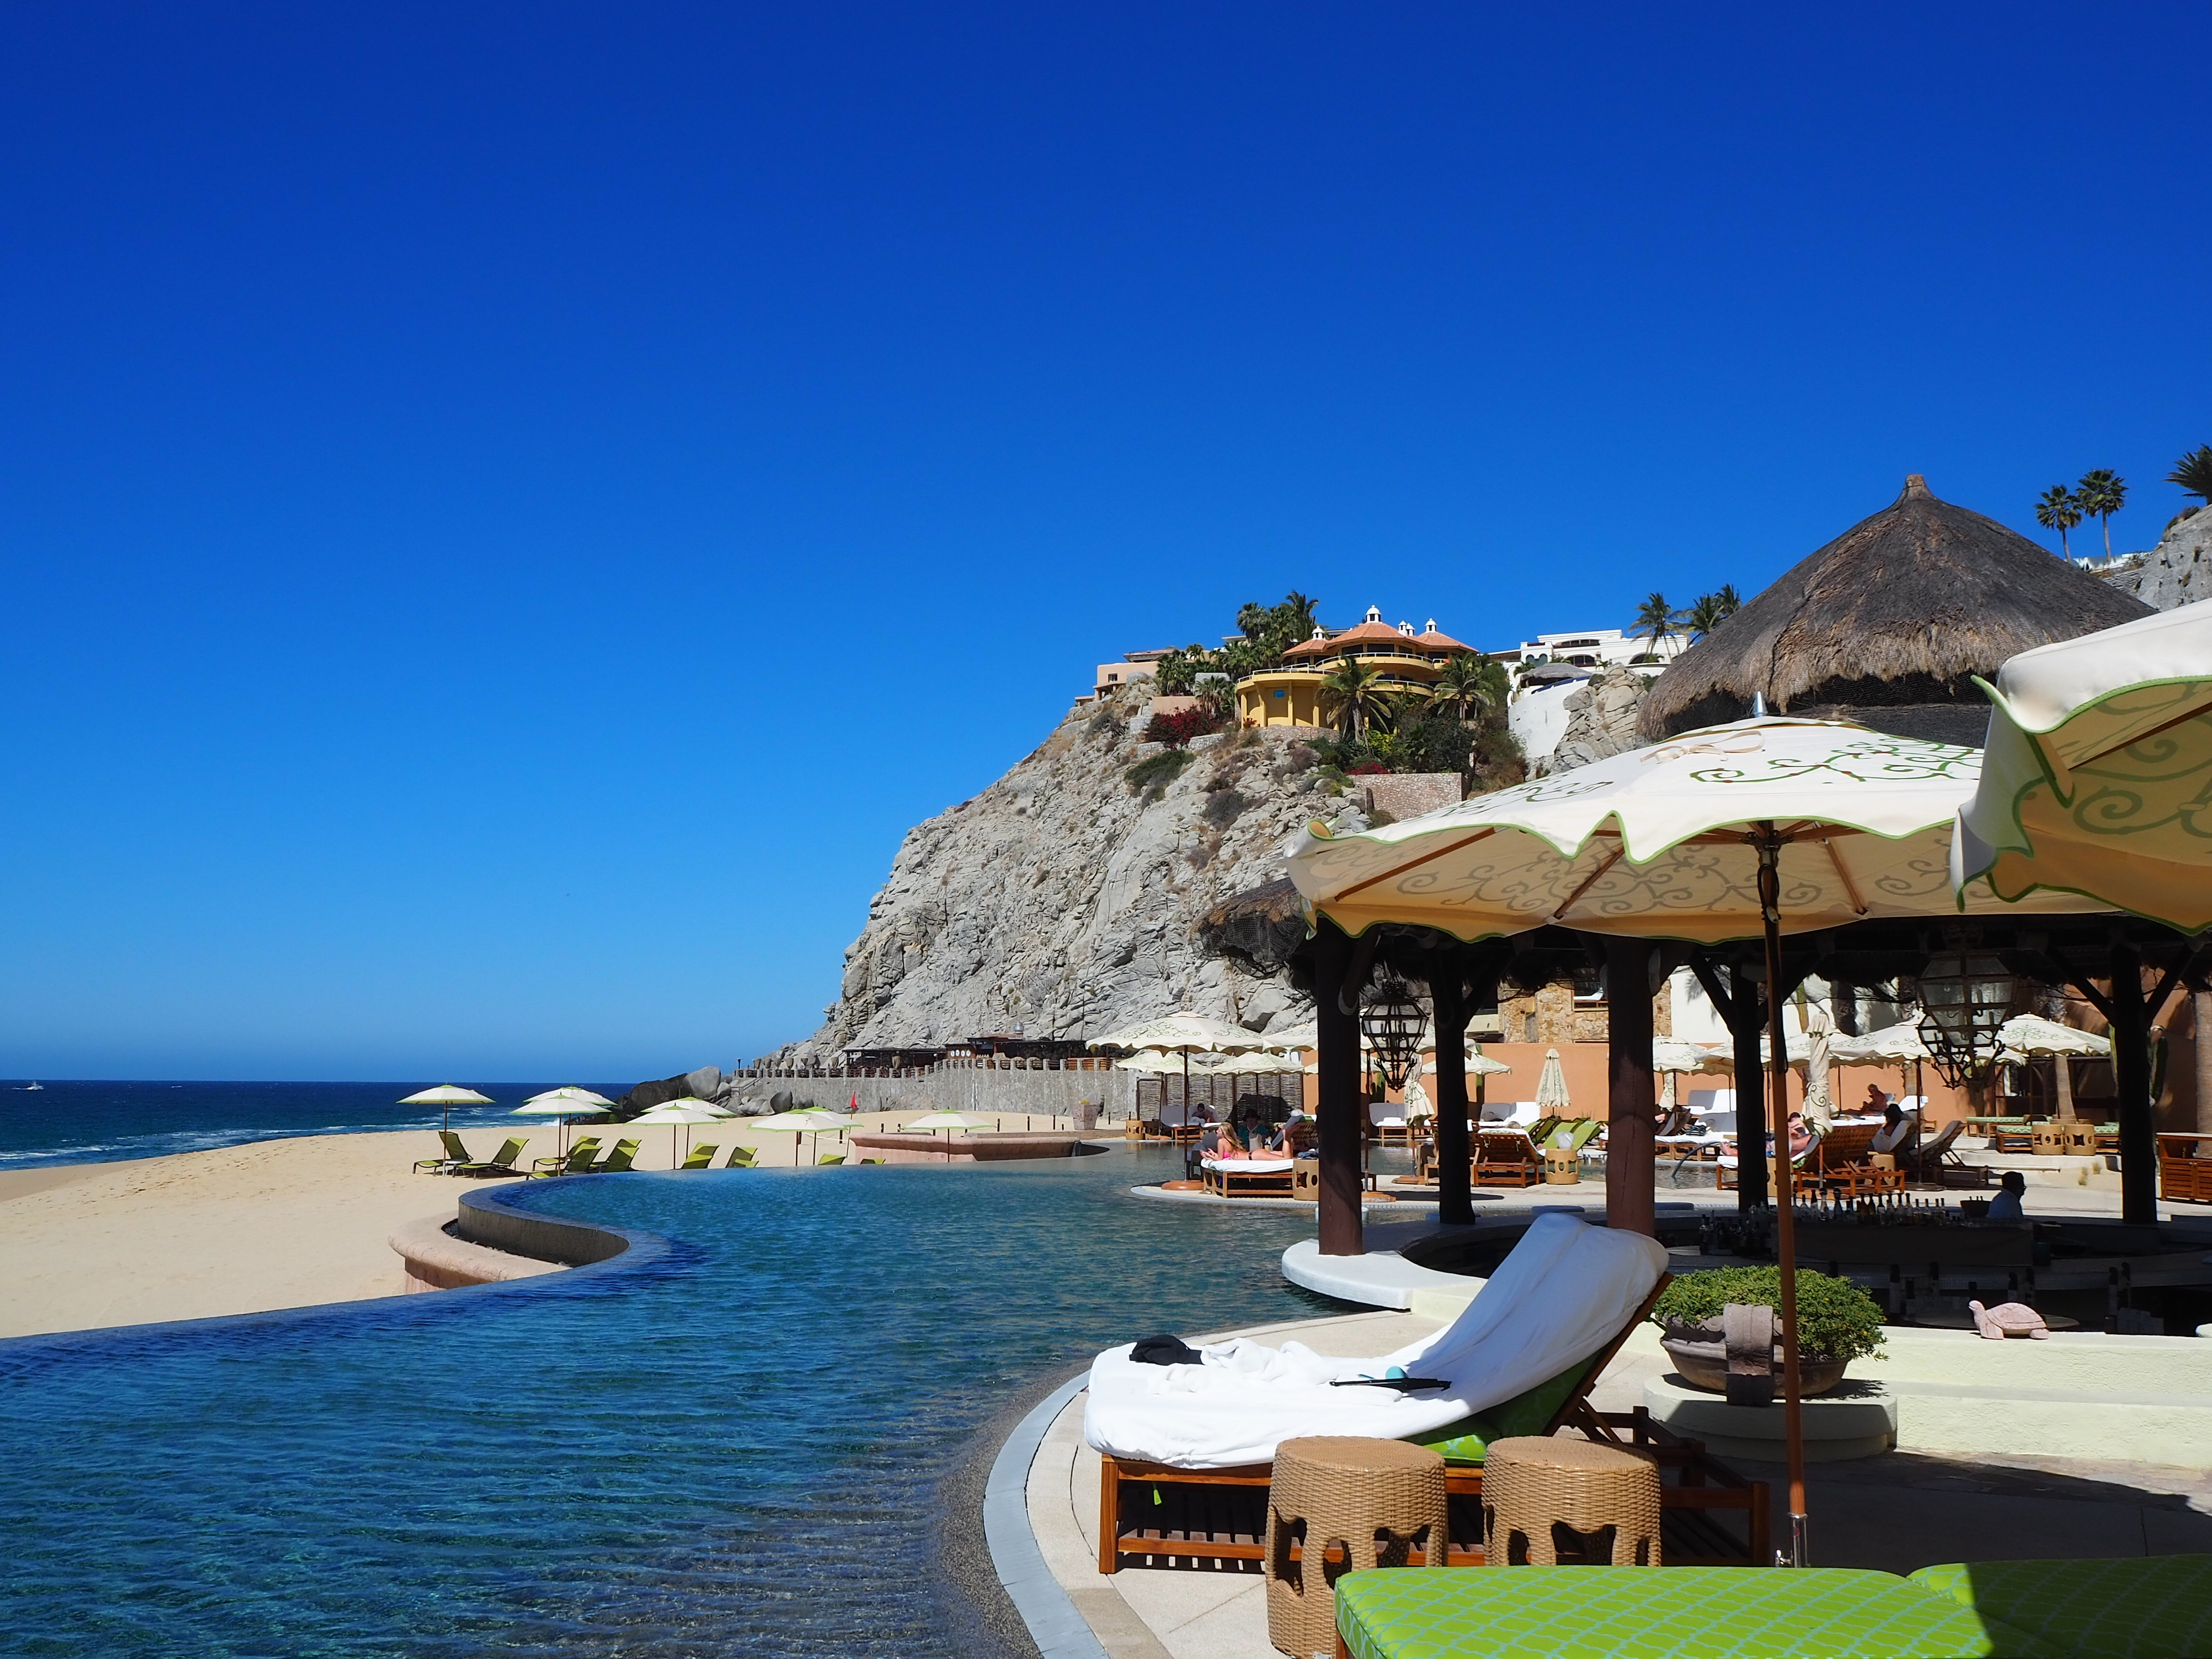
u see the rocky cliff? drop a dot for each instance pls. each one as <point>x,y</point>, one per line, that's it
<point>1601,720</point>
<point>1061,902</point>
<point>2179,570</point>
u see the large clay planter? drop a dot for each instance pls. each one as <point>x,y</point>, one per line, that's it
<point>1701,1360</point>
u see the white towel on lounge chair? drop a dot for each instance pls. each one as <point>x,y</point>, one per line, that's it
<point>1250,1165</point>
<point>1565,1292</point>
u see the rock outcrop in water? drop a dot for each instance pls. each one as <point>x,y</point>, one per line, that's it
<point>1062,902</point>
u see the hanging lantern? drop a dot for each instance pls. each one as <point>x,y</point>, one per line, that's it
<point>1392,1020</point>
<point>1965,996</point>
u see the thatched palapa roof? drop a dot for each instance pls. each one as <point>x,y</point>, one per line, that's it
<point>1887,624</point>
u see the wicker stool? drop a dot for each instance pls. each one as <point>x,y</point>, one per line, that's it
<point>1533,1485</point>
<point>1345,1492</point>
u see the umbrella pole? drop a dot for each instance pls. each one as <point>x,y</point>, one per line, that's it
<point>1785,1197</point>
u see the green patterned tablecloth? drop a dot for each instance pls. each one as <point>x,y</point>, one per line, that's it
<point>2159,1607</point>
<point>1664,1613</point>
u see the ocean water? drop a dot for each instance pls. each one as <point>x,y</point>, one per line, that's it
<point>736,1449</point>
<point>96,1122</point>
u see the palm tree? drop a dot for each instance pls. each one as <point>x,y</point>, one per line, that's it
<point>1728,601</point>
<point>1701,618</point>
<point>1467,684</point>
<point>1352,695</point>
<point>2057,509</point>
<point>2193,473</point>
<point>1656,621</point>
<point>2102,493</point>
<point>1300,610</point>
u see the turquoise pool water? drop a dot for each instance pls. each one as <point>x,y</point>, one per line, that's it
<point>735,1449</point>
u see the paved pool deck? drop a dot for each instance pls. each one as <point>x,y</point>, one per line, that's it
<point>1897,1512</point>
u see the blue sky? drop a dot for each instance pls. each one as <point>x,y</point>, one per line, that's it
<point>509,511</point>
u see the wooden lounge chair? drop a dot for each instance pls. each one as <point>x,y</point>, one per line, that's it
<point>701,1155</point>
<point>1936,1161</point>
<point>1841,1162</point>
<point>741,1157</point>
<point>1506,1157</point>
<point>578,1160</point>
<point>616,1161</point>
<point>1156,1514</point>
<point>500,1163</point>
<point>456,1157</point>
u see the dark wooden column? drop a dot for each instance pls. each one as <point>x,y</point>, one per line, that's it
<point>1629,1169</point>
<point>1738,1004</point>
<point>1340,1110</point>
<point>1455,1149</point>
<point>2130,1017</point>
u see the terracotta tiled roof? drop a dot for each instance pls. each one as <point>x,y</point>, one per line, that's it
<point>1373,636</point>
<point>1436,641</point>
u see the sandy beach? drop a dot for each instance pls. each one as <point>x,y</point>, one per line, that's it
<point>274,1224</point>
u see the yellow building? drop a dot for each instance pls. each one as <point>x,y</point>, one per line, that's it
<point>1291,694</point>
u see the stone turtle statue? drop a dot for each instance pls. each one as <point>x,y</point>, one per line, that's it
<point>2007,1319</point>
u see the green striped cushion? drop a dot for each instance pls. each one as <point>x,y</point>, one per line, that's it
<point>1468,1441</point>
<point>2137,1608</point>
<point>1660,1613</point>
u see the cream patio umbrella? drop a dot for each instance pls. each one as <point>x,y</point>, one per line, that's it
<point>931,1122</point>
<point>2098,767</point>
<point>1900,1045</point>
<point>1820,1099</point>
<point>2028,1034</point>
<point>567,1103</point>
<point>1673,1057</point>
<point>446,1097</point>
<point>682,1113</point>
<point>800,1120</point>
<point>1737,831</point>
<point>1186,1034</point>
<point>1552,1099</point>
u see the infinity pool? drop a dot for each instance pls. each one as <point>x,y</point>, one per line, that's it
<point>735,1449</point>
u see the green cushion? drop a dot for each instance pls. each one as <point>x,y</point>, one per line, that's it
<point>1468,1441</point>
<point>1660,1613</point>
<point>2137,1608</point>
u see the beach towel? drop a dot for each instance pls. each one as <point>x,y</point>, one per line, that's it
<point>1565,1292</point>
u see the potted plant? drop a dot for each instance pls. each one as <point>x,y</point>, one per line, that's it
<point>1837,1323</point>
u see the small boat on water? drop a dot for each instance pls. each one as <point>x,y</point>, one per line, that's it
<point>28,1086</point>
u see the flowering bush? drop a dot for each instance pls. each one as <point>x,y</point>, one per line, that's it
<point>1369,769</point>
<point>1178,728</point>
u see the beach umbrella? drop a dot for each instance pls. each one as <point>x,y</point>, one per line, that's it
<point>682,1113</point>
<point>2025,1034</point>
<point>932,1122</point>
<point>2097,766</point>
<point>1671,1057</point>
<point>446,1097</point>
<point>1552,1087</point>
<point>1307,1036</point>
<point>1820,1102</point>
<point>1260,1063</point>
<point>1740,831</point>
<point>800,1120</point>
<point>566,1103</point>
<point>1185,1034</point>
<point>1900,1045</point>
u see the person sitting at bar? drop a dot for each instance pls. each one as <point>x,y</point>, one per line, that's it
<point>2012,1186</point>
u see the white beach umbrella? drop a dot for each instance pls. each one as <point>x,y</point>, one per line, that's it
<point>2027,1035</point>
<point>1820,1102</point>
<point>1185,1034</point>
<point>932,1122</point>
<point>446,1097</point>
<point>682,1113</point>
<point>2098,763</point>
<point>1552,1087</point>
<point>1258,1064</point>
<point>1307,1036</point>
<point>1900,1045</point>
<point>564,1103</point>
<point>1671,1057</point>
<point>800,1120</point>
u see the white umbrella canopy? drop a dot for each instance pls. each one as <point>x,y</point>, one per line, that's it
<point>2030,1034</point>
<point>1184,1031</point>
<point>1151,1059</point>
<point>682,1113</point>
<point>1892,1045</point>
<point>446,1096</point>
<point>1552,1087</point>
<point>1257,1063</point>
<point>800,1120</point>
<point>948,1120</point>
<point>1820,1102</point>
<point>566,1098</point>
<point>1673,1054</point>
<point>1307,1036</point>
<point>1655,842</point>
<point>2098,766</point>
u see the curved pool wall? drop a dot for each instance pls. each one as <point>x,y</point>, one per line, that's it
<point>726,1439</point>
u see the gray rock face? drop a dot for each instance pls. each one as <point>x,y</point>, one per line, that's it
<point>2179,570</point>
<point>1058,903</point>
<point>1601,720</point>
<point>703,1084</point>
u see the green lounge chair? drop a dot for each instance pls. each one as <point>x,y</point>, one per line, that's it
<point>456,1159</point>
<point>2135,1607</point>
<point>500,1163</point>
<point>830,1157</point>
<point>741,1157</point>
<point>579,1159</point>
<point>701,1155</point>
<point>1661,1613</point>
<point>619,1160</point>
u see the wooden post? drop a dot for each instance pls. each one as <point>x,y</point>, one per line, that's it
<point>2200,1001</point>
<point>1454,1147</point>
<point>1339,1111</point>
<point>2131,1068</point>
<point>1631,1166</point>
